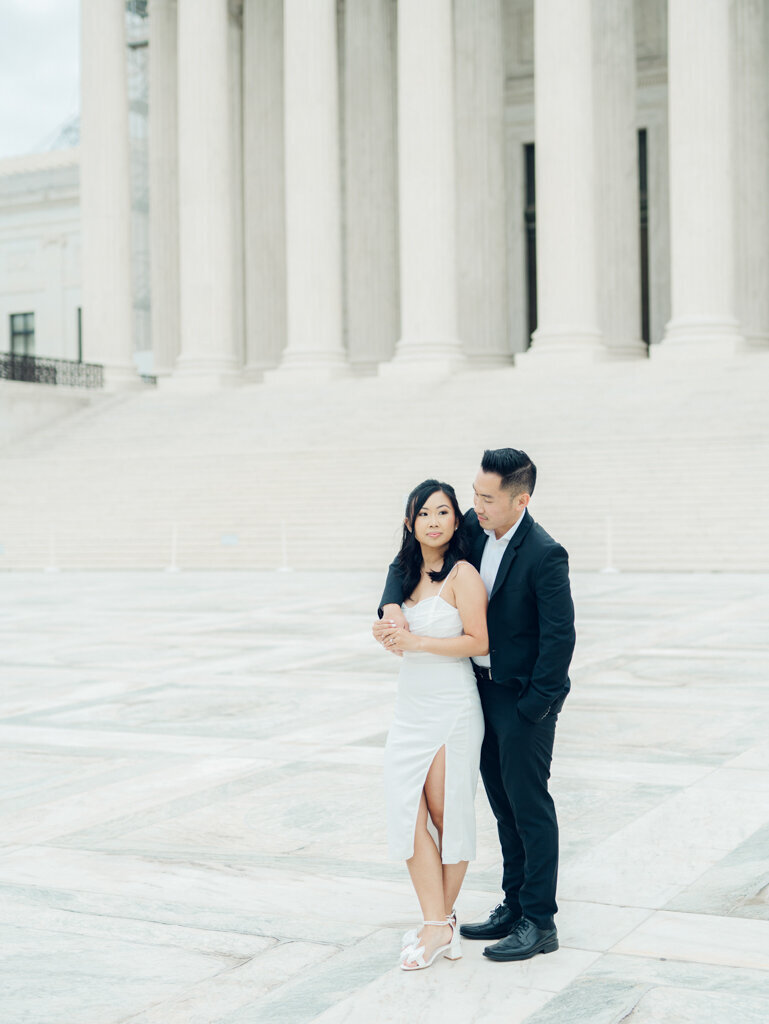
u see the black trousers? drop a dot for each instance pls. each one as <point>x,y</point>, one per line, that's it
<point>515,768</point>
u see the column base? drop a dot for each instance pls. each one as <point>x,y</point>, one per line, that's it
<point>489,361</point>
<point>253,373</point>
<point>623,350</point>
<point>423,368</point>
<point>425,357</point>
<point>562,346</point>
<point>686,337</point>
<point>200,375</point>
<point>307,366</point>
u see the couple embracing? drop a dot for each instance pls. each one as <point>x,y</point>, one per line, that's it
<point>479,608</point>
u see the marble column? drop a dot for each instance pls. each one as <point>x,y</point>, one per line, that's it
<point>313,193</point>
<point>427,187</point>
<point>164,186</point>
<point>481,215</point>
<point>567,287</point>
<point>263,185</point>
<point>618,261</point>
<point>701,203</point>
<point>235,106</point>
<point>750,49</point>
<point>659,222</point>
<point>208,346</point>
<point>371,205</point>
<point>105,192</point>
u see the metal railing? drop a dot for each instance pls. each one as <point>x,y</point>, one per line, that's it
<point>66,372</point>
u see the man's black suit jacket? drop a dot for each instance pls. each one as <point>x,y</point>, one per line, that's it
<point>530,616</point>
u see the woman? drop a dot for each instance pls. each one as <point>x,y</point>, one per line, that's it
<point>433,748</point>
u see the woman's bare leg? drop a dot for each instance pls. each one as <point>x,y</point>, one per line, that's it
<point>435,790</point>
<point>453,876</point>
<point>425,866</point>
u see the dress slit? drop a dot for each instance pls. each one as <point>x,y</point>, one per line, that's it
<point>431,827</point>
<point>448,815</point>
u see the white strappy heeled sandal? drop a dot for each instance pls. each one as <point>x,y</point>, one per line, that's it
<point>411,937</point>
<point>413,957</point>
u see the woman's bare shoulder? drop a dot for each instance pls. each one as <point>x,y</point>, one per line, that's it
<point>464,572</point>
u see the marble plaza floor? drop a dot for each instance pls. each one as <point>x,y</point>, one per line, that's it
<point>192,828</point>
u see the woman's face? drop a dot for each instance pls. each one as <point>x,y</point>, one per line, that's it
<point>435,522</point>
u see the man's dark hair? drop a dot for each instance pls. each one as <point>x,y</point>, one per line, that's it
<point>518,472</point>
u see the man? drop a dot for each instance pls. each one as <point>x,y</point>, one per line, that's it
<point>523,683</point>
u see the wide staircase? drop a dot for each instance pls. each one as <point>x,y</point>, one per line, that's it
<point>652,465</point>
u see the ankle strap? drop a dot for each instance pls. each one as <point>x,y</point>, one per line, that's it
<point>441,923</point>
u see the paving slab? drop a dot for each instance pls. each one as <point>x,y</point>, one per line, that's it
<point>192,808</point>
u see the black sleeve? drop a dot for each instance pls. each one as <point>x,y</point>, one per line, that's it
<point>555,610</point>
<point>471,528</point>
<point>393,591</point>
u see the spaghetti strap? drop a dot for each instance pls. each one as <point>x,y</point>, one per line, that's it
<point>448,577</point>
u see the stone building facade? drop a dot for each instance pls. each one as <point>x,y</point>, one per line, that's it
<point>40,255</point>
<point>358,186</point>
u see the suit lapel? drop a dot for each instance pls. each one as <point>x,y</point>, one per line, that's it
<point>512,550</point>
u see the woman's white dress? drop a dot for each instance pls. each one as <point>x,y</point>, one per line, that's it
<point>437,705</point>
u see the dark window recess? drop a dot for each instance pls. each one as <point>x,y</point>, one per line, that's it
<point>530,222</point>
<point>22,334</point>
<point>643,199</point>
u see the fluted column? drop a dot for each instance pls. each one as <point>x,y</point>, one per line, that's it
<point>481,218</point>
<point>208,345</point>
<point>164,185</point>
<point>616,165</point>
<point>371,208</point>
<point>313,197</point>
<point>263,186</point>
<point>235,106</point>
<point>659,224</point>
<point>105,191</point>
<point>751,167</point>
<point>567,287</point>
<point>427,186</point>
<point>701,207</point>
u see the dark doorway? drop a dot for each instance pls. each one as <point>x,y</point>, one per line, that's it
<point>530,221</point>
<point>643,200</point>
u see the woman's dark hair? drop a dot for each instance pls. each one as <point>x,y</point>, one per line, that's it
<point>410,554</point>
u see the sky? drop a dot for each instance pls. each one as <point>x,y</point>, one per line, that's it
<point>39,71</point>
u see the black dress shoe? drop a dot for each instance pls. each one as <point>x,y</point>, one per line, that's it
<point>498,923</point>
<point>524,941</point>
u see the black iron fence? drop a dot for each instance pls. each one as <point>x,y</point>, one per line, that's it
<point>64,372</point>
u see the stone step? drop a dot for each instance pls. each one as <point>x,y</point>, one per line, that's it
<point>671,463</point>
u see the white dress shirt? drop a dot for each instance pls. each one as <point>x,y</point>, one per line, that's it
<point>490,563</point>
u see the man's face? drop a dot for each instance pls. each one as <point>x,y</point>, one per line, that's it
<point>497,509</point>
